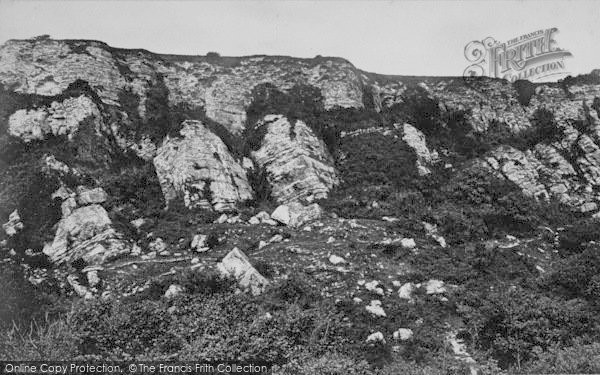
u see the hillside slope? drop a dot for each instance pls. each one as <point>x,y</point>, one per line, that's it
<point>391,224</point>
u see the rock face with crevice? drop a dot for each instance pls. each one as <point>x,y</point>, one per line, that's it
<point>198,169</point>
<point>298,163</point>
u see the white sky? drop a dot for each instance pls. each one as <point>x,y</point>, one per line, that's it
<point>392,37</point>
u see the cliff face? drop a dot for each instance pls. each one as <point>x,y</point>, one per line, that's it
<point>221,86</point>
<point>198,169</point>
<point>199,164</point>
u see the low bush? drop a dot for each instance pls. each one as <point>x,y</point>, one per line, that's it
<point>580,358</point>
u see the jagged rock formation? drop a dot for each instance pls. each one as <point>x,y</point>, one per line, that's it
<point>221,86</point>
<point>86,233</point>
<point>198,168</point>
<point>299,164</point>
<point>57,119</point>
<point>416,140</point>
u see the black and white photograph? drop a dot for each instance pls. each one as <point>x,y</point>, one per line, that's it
<point>342,187</point>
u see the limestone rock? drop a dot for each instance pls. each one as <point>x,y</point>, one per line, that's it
<point>173,291</point>
<point>434,287</point>
<point>406,291</point>
<point>86,234</point>
<point>376,337</point>
<point>403,334</point>
<point>58,119</point>
<point>13,225</point>
<point>199,243</point>
<point>375,308</point>
<point>373,286</point>
<point>335,260</point>
<point>295,214</point>
<point>416,140</point>
<point>236,264</point>
<point>199,168</point>
<point>47,67</point>
<point>87,196</point>
<point>408,243</point>
<point>298,163</point>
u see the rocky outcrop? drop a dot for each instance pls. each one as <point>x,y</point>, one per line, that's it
<point>87,234</point>
<point>198,168</point>
<point>58,119</point>
<point>13,225</point>
<point>416,140</point>
<point>222,86</point>
<point>298,163</point>
<point>522,168</point>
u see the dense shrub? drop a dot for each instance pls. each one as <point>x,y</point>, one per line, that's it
<point>525,91</point>
<point>301,102</point>
<point>23,302</point>
<point>159,119</point>
<point>577,275</point>
<point>513,323</point>
<point>579,358</point>
<point>258,178</point>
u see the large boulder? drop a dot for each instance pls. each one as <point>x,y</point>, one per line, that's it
<point>296,214</point>
<point>236,264</point>
<point>298,163</point>
<point>198,168</point>
<point>87,234</point>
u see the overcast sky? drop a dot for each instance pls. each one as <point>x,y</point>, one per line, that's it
<point>392,37</point>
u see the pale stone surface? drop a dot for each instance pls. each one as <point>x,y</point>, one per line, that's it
<point>416,140</point>
<point>298,163</point>
<point>406,291</point>
<point>236,264</point>
<point>375,308</point>
<point>295,214</point>
<point>403,334</point>
<point>197,167</point>
<point>47,67</point>
<point>58,119</point>
<point>13,225</point>
<point>87,196</point>
<point>376,337</point>
<point>173,291</point>
<point>335,259</point>
<point>434,287</point>
<point>86,234</point>
<point>408,243</point>
<point>199,243</point>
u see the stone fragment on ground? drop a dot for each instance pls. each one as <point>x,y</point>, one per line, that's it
<point>375,308</point>
<point>13,225</point>
<point>376,337</point>
<point>295,214</point>
<point>236,264</point>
